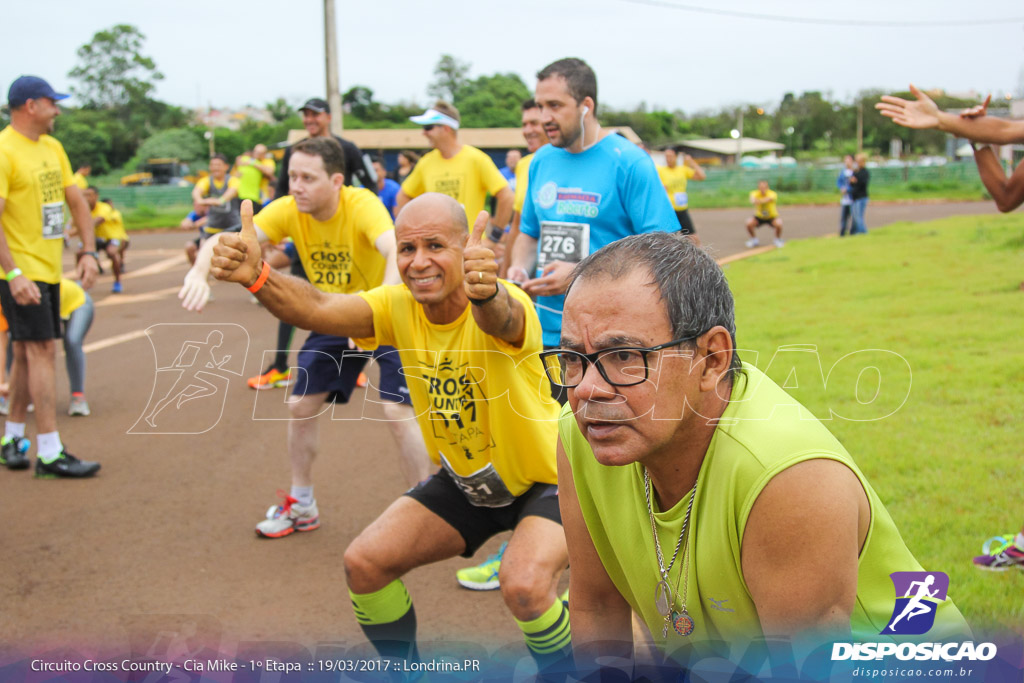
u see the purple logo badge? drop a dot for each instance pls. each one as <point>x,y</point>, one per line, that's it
<point>918,595</point>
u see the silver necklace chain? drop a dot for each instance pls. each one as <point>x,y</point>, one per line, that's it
<point>654,529</point>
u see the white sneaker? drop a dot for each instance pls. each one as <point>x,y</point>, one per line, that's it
<point>778,243</point>
<point>753,242</point>
<point>78,406</point>
<point>289,517</point>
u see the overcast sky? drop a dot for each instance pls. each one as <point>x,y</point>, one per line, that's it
<point>653,51</point>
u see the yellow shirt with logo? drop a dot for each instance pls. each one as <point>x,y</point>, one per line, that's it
<point>522,180</point>
<point>252,184</point>
<point>481,403</point>
<point>72,296</point>
<point>339,254</point>
<point>112,227</point>
<point>33,175</point>
<point>768,209</point>
<point>468,177</point>
<point>674,179</point>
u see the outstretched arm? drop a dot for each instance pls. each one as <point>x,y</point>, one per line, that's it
<point>923,113</point>
<point>237,258</point>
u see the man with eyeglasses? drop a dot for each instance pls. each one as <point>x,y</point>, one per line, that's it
<point>695,491</point>
<point>463,172</point>
<point>469,345</point>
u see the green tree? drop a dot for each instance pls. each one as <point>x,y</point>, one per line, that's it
<point>186,144</point>
<point>85,145</point>
<point>450,76</point>
<point>279,109</point>
<point>113,73</point>
<point>492,101</point>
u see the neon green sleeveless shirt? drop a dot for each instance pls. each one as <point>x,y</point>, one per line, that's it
<point>762,432</point>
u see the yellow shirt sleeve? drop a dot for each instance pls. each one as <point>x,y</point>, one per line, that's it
<point>379,299</point>
<point>490,176</point>
<point>414,185</point>
<point>204,186</point>
<point>522,178</point>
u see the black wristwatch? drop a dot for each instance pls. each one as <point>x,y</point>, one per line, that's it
<point>94,254</point>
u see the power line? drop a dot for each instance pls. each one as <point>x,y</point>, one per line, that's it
<point>825,22</point>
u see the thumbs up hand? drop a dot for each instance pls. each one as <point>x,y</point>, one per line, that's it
<point>237,257</point>
<point>479,263</point>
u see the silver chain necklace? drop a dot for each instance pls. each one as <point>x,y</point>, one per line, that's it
<point>664,600</point>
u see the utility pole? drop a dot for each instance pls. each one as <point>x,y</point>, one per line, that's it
<point>739,141</point>
<point>860,126</point>
<point>331,53</point>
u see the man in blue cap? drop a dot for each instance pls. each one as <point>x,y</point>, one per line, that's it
<point>35,181</point>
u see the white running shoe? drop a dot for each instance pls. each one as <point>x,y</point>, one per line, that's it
<point>753,242</point>
<point>779,244</point>
<point>289,517</point>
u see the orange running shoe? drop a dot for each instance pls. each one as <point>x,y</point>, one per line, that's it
<point>271,379</point>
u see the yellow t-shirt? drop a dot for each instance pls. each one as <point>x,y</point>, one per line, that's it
<point>112,227</point>
<point>522,179</point>
<point>674,179</point>
<point>33,175</point>
<point>483,405</point>
<point>468,177</point>
<point>768,209</point>
<point>80,181</point>
<point>340,254</point>
<point>252,183</point>
<point>204,184</point>
<point>72,296</point>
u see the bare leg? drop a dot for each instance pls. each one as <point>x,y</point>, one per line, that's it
<point>42,383</point>
<point>533,562</point>
<point>406,535</point>
<point>303,434</point>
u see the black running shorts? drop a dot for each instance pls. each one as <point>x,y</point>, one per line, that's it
<point>442,496</point>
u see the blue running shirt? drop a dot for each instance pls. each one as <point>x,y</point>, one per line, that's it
<point>578,203</point>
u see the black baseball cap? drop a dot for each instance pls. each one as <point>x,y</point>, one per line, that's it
<point>316,104</point>
<point>31,88</point>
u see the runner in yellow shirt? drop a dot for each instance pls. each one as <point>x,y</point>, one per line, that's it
<point>533,133</point>
<point>110,233</point>
<point>475,388</point>
<point>460,171</point>
<point>81,176</point>
<point>35,182</point>
<point>346,244</point>
<point>675,177</point>
<point>765,213</point>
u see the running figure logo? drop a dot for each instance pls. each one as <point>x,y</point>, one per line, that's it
<point>190,387</point>
<point>918,595</point>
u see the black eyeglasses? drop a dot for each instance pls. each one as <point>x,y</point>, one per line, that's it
<point>622,366</point>
<point>429,126</point>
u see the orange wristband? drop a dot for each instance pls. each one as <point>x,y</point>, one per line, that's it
<point>261,280</point>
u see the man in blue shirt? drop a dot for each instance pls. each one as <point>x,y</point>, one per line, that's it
<point>588,188</point>
<point>387,189</point>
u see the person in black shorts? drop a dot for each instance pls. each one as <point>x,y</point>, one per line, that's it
<point>471,342</point>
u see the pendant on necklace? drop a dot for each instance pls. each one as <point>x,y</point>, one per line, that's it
<point>682,622</point>
<point>663,598</point>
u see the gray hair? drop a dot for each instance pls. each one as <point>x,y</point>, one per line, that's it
<point>692,286</point>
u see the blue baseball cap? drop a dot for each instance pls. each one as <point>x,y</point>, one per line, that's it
<point>31,88</point>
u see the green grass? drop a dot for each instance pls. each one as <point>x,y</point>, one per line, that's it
<point>144,217</point>
<point>943,443</point>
